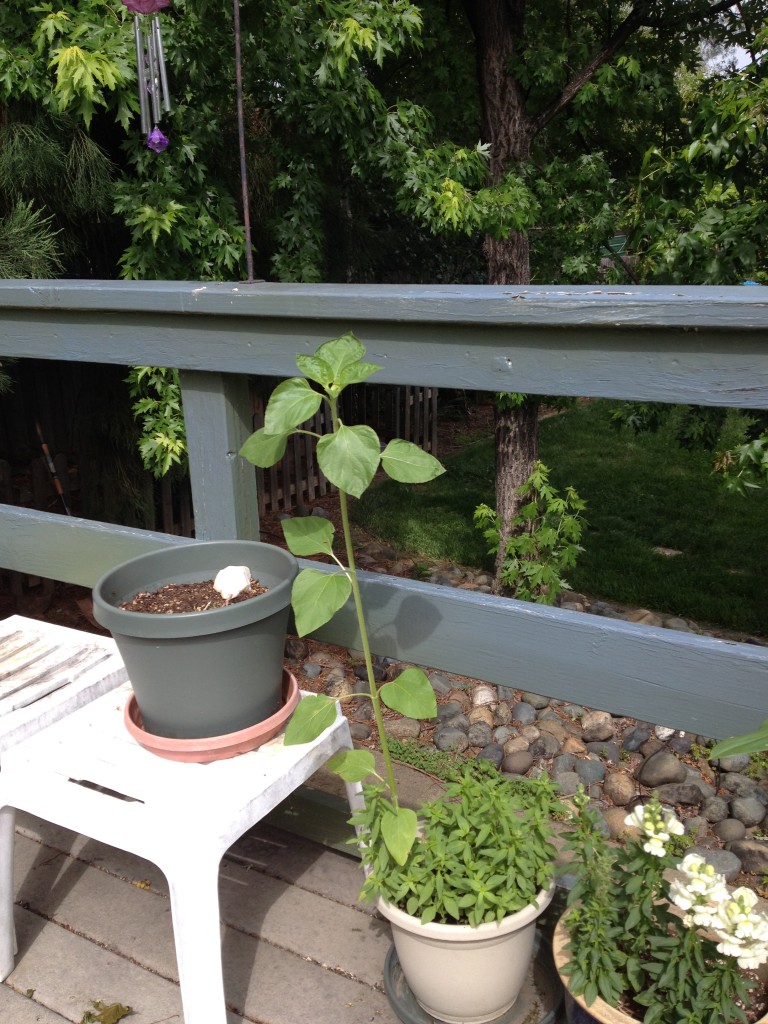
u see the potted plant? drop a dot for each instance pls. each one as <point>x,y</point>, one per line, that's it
<point>210,672</point>
<point>471,872</point>
<point>640,944</point>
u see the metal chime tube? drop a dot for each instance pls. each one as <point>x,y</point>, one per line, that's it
<point>141,75</point>
<point>154,80</point>
<point>158,38</point>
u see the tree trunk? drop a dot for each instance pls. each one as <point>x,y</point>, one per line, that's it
<point>498,27</point>
<point>517,448</point>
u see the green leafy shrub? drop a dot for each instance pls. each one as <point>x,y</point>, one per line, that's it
<point>484,849</point>
<point>545,542</point>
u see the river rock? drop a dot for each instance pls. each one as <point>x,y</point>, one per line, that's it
<point>502,714</point>
<point>748,810</point>
<point>517,763</point>
<point>515,745</point>
<point>729,830</point>
<point>481,714</point>
<point>615,818</point>
<point>634,738</point>
<point>295,649</point>
<point>440,683</point>
<point>680,793</point>
<point>360,731</point>
<point>402,728</point>
<point>608,750</point>
<point>619,788</point>
<point>554,727</point>
<point>523,713</point>
<point>572,745</point>
<point>590,771</point>
<point>361,710</point>
<point>480,734</point>
<point>536,700</point>
<point>503,733</point>
<point>752,854</point>
<point>715,809</point>
<point>460,697</point>
<point>567,782</point>
<point>596,726</point>
<point>661,768</point>
<point>726,862</point>
<point>491,752</point>
<point>545,746</point>
<point>484,694</point>
<point>739,785</point>
<point>734,763</point>
<point>449,738</point>
<point>564,763</point>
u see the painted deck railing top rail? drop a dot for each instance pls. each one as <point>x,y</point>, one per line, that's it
<point>704,345</point>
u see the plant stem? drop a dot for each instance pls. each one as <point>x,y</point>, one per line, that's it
<point>374,690</point>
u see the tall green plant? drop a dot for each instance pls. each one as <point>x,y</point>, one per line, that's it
<point>349,456</point>
<point>545,542</point>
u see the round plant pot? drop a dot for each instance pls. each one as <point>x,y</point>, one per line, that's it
<point>576,1009</point>
<point>208,673</point>
<point>465,975</point>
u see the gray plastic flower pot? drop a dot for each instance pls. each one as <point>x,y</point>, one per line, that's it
<point>201,673</point>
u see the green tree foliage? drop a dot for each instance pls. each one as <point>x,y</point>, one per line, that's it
<point>699,211</point>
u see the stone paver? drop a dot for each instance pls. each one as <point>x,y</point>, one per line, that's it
<point>88,930</point>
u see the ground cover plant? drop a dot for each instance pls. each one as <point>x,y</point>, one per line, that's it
<point>642,492</point>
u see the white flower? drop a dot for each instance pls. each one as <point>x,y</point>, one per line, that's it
<point>658,824</point>
<point>701,890</point>
<point>232,581</point>
<point>655,845</point>
<point>742,932</point>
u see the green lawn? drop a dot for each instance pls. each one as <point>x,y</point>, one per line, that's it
<point>641,492</point>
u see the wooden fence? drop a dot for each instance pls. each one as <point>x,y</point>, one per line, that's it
<point>692,345</point>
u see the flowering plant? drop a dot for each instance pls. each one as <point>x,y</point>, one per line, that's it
<point>670,950</point>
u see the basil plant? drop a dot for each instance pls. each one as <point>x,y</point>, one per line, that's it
<point>350,457</point>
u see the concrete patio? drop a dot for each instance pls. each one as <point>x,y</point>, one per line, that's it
<point>94,923</point>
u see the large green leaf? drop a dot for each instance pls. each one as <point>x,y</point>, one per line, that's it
<point>350,457</point>
<point>312,717</point>
<point>316,597</point>
<point>409,464</point>
<point>411,694</point>
<point>309,535</point>
<point>750,743</point>
<point>398,829</point>
<point>316,369</point>
<point>341,352</point>
<point>356,374</point>
<point>353,765</point>
<point>291,403</point>
<point>263,449</point>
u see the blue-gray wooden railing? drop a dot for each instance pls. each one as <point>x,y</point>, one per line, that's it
<point>702,345</point>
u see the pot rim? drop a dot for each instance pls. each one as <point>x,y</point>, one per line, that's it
<point>108,593</point>
<point>467,932</point>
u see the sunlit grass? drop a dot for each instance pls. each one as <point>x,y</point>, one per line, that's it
<point>641,492</point>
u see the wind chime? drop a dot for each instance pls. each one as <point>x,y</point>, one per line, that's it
<point>150,68</point>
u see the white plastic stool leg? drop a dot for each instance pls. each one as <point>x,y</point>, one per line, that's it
<point>194,888</point>
<point>7,933</point>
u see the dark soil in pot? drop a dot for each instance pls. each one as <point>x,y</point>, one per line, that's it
<point>176,598</point>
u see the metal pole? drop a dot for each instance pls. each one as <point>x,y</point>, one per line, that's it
<point>241,140</point>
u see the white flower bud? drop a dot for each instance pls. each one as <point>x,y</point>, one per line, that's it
<point>232,581</point>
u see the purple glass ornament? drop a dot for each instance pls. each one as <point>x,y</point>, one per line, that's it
<point>156,140</point>
<point>146,6</point>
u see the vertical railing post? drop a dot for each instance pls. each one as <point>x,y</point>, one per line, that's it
<point>217,413</point>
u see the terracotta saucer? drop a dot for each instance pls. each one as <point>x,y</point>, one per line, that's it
<point>204,749</point>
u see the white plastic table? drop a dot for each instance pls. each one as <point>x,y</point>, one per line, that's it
<point>183,817</point>
<point>46,672</point>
